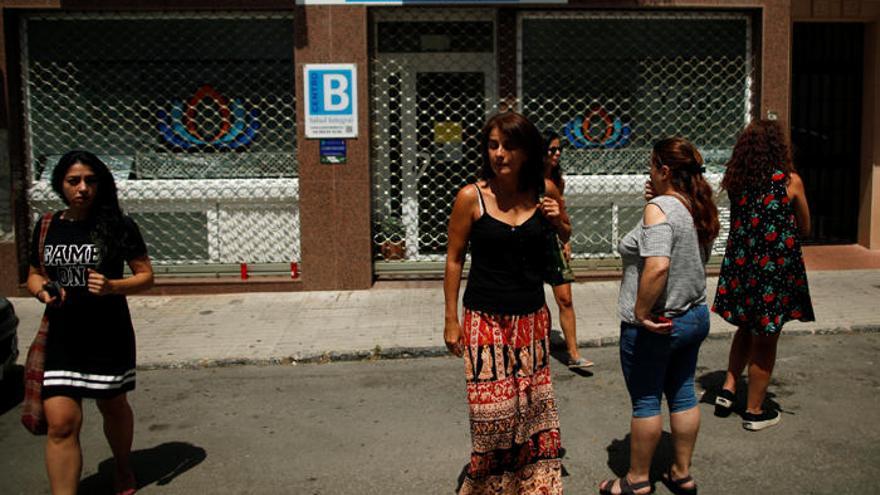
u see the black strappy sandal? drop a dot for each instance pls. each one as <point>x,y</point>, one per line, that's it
<point>675,485</point>
<point>626,488</point>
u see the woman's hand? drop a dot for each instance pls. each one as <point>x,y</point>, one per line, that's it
<point>649,190</point>
<point>552,206</point>
<point>99,284</point>
<point>47,298</point>
<point>658,324</point>
<point>452,337</point>
<point>36,285</point>
<point>551,210</point>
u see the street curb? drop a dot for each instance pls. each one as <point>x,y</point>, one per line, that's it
<point>379,353</point>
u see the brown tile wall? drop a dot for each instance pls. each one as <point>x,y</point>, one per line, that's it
<point>334,199</point>
<point>835,10</point>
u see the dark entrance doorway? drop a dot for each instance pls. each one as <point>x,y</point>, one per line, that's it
<point>826,117</point>
<point>454,102</point>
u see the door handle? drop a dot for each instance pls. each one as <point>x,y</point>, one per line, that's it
<point>423,159</point>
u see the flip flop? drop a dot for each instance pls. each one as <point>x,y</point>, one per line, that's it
<point>130,490</point>
<point>580,363</point>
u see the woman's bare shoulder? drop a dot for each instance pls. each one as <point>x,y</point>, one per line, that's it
<point>551,189</point>
<point>795,184</point>
<point>467,194</point>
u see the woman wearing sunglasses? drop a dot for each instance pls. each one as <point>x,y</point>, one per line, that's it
<point>562,293</point>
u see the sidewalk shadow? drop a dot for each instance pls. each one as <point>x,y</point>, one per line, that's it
<point>159,465</point>
<point>12,389</point>
<point>712,382</point>
<point>559,352</point>
<point>619,451</point>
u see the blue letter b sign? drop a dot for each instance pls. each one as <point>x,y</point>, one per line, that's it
<point>330,92</point>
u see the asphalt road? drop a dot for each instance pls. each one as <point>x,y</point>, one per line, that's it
<point>401,427</point>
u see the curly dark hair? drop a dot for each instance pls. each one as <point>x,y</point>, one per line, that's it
<point>686,168</point>
<point>555,172</point>
<point>105,216</point>
<point>523,135</point>
<point>760,150</point>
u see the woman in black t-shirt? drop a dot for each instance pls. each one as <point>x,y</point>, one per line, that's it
<point>90,348</point>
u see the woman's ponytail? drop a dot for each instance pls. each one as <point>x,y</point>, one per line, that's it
<point>687,173</point>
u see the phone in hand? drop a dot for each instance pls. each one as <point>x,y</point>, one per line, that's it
<point>53,288</point>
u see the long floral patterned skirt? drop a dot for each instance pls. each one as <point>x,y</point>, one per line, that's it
<point>514,420</point>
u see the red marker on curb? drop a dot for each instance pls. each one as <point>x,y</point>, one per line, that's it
<point>244,271</point>
<point>294,269</point>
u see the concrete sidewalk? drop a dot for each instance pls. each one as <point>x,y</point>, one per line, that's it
<point>389,321</point>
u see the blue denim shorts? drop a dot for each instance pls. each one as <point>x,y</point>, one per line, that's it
<point>654,364</point>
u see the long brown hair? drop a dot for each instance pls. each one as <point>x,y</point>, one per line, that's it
<point>109,234</point>
<point>760,150</point>
<point>686,174</point>
<point>524,135</point>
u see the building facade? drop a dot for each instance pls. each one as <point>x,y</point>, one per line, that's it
<point>199,110</point>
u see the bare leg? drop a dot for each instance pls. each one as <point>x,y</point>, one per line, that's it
<point>644,436</point>
<point>63,454</point>
<point>119,430</point>
<point>685,425</point>
<point>762,358</point>
<point>738,358</point>
<point>567,320</point>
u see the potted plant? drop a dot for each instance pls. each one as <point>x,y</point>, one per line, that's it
<point>391,236</point>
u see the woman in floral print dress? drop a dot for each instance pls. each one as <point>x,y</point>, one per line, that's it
<point>763,283</point>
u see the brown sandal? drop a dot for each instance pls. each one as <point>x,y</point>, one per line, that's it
<point>626,488</point>
<point>674,485</point>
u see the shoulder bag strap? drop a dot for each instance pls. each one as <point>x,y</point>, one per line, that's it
<point>44,229</point>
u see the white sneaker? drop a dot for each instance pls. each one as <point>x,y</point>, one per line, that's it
<point>758,422</point>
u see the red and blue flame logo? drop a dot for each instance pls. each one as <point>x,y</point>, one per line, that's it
<point>617,134</point>
<point>238,126</point>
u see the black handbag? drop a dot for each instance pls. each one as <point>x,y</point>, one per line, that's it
<point>557,270</point>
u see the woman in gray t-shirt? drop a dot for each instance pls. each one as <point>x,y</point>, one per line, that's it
<point>663,312</point>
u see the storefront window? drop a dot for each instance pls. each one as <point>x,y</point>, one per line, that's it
<point>613,83</point>
<point>164,97</point>
<point>193,112</point>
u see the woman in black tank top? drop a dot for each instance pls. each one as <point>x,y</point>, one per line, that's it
<point>504,335</point>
